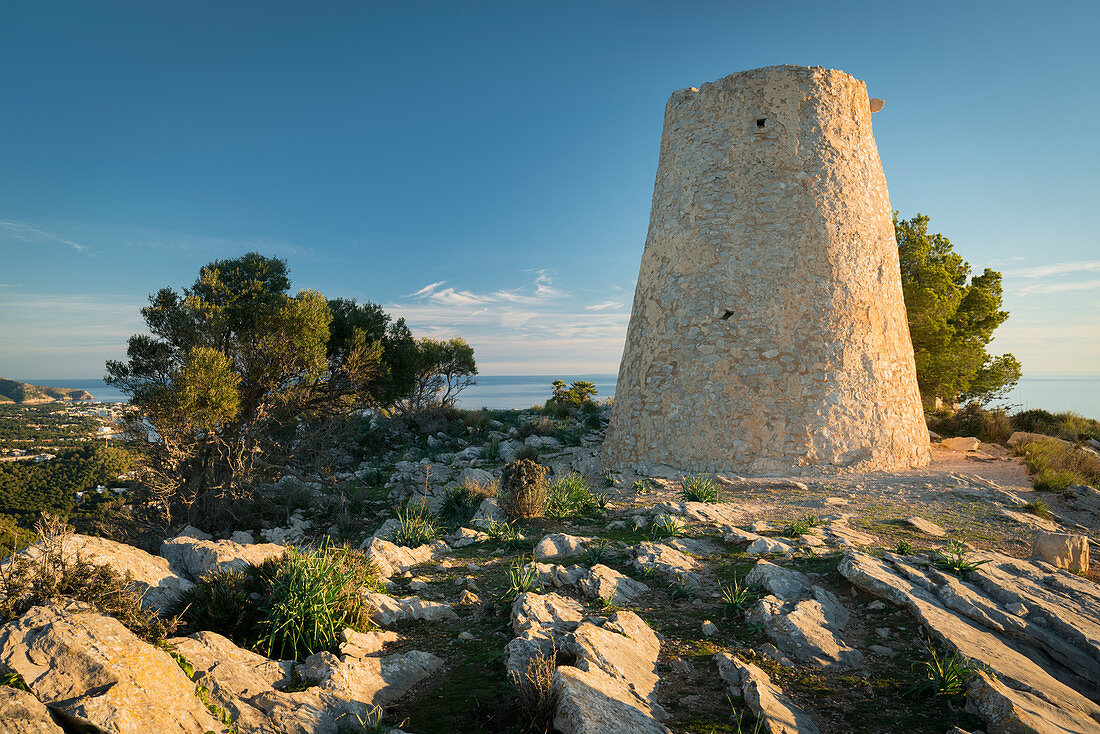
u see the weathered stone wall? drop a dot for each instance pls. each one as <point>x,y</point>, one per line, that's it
<point>768,333</point>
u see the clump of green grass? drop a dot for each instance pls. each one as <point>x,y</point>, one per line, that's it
<point>956,558</point>
<point>528,453</point>
<point>943,675</point>
<point>904,548</point>
<point>699,488</point>
<point>522,577</point>
<point>1054,480</point>
<point>608,479</point>
<point>369,723</point>
<point>798,528</point>
<point>491,451</point>
<point>1039,509</point>
<point>287,607</point>
<point>569,496</point>
<point>738,595</point>
<point>415,526</point>
<point>597,552</point>
<point>640,486</point>
<point>681,591</point>
<point>666,526</point>
<point>1056,466</point>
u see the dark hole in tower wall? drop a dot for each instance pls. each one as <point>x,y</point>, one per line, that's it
<point>761,122</point>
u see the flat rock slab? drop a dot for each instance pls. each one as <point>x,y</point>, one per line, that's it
<point>779,714</point>
<point>22,713</point>
<point>95,672</point>
<point>371,681</point>
<point>545,611</point>
<point>965,618</point>
<point>664,559</point>
<point>926,526</point>
<point>961,444</point>
<point>593,703</point>
<point>603,582</point>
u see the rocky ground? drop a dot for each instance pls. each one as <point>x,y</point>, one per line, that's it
<point>788,605</point>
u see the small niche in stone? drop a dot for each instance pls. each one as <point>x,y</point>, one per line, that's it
<point>761,122</point>
<point>726,315</point>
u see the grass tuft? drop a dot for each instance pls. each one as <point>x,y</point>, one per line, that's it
<point>699,488</point>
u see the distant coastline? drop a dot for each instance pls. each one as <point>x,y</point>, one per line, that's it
<point>1053,391</point>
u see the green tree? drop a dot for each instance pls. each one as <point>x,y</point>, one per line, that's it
<point>228,367</point>
<point>444,368</point>
<point>952,317</point>
<point>581,391</point>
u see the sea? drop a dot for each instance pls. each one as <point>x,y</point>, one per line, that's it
<point>1051,391</point>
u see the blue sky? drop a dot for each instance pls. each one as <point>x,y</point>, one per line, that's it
<point>485,169</point>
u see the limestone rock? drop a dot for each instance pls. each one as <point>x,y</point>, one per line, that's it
<point>925,526</point>
<point>157,583</point>
<point>467,536</point>
<point>559,545</point>
<point>488,512</point>
<point>22,713</point>
<point>394,559</point>
<point>592,703</point>
<point>1054,660</point>
<point>624,648</point>
<point>365,644</point>
<point>95,672</point>
<point>545,611</point>
<point>1008,710</point>
<point>243,537</point>
<point>373,681</point>
<point>961,444</point>
<point>558,576</point>
<point>1062,550</point>
<point>603,582</point>
<point>665,559</point>
<point>768,546</point>
<point>388,609</point>
<point>196,558</point>
<point>478,477</point>
<point>771,706</point>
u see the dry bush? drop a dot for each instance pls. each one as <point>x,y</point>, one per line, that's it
<point>535,691</point>
<point>991,426</point>
<point>47,572</point>
<point>1057,465</point>
<point>523,489</point>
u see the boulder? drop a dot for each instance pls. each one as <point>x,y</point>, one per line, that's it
<point>196,558</point>
<point>589,702</point>
<point>543,442</point>
<point>545,611</point>
<point>603,582</point>
<point>388,609</point>
<point>477,477</point>
<point>778,713</point>
<point>488,512</point>
<point>153,579</point>
<point>22,713</point>
<point>364,644</point>
<point>559,545</point>
<point>394,559</point>
<point>625,648</point>
<point>372,681</point>
<point>1062,550</point>
<point>467,536</point>
<point>96,673</point>
<point>961,444</point>
<point>665,559</point>
<point>768,546</point>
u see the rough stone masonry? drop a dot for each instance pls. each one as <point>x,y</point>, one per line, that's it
<point>768,333</point>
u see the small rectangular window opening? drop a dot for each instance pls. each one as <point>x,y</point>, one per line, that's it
<point>726,315</point>
<point>761,121</point>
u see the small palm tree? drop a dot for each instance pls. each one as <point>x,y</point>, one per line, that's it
<point>559,390</point>
<point>582,391</point>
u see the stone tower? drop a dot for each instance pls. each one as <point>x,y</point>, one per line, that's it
<point>768,333</point>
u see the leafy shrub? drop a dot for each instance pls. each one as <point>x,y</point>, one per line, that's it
<point>288,607</point>
<point>538,427</point>
<point>49,573</point>
<point>491,451</point>
<point>460,502</point>
<point>529,453</point>
<point>569,496</point>
<point>1057,465</point>
<point>522,577</point>
<point>1067,425</point>
<point>991,426</point>
<point>699,488</point>
<point>523,489</point>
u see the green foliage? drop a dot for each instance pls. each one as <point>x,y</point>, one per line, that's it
<point>955,557</point>
<point>443,369</point>
<point>14,680</point>
<point>952,317</point>
<point>523,489</point>
<point>522,577</point>
<point>460,502</point>
<point>640,486</point>
<point>666,526</point>
<point>569,496</point>
<point>904,548</point>
<point>797,529</point>
<point>943,675</point>
<point>491,451</point>
<point>1066,425</point>
<point>699,488</point>
<point>415,526</point>
<point>565,402</point>
<point>608,479</point>
<point>371,723</point>
<point>992,426</point>
<point>597,552</point>
<point>1039,509</point>
<point>1056,466</point>
<point>229,367</point>
<point>739,595</point>
<point>528,453</point>
<point>289,607</point>
<point>502,532</point>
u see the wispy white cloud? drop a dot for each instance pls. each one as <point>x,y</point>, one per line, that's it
<point>605,306</point>
<point>1045,271</point>
<point>1047,288</point>
<point>33,235</point>
<point>535,326</point>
